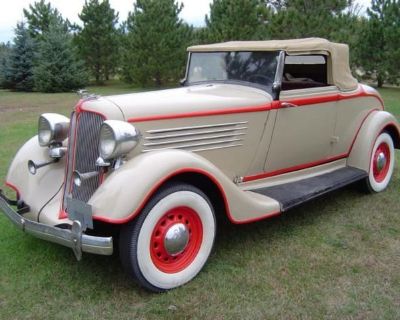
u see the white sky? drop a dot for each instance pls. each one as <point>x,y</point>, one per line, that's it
<point>193,12</point>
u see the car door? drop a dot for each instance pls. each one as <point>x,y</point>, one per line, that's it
<point>305,122</point>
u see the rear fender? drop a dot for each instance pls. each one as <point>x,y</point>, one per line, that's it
<point>125,191</point>
<point>376,123</point>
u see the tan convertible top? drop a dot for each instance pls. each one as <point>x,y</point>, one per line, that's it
<point>340,70</point>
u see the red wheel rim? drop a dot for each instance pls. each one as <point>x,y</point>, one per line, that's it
<point>161,258</point>
<point>380,171</point>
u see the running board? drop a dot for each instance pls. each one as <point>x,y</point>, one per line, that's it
<point>292,194</point>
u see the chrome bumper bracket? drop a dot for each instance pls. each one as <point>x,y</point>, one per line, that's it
<point>74,238</point>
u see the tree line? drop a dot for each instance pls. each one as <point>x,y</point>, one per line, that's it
<point>50,54</point>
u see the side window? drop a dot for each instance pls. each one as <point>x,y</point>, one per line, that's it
<point>305,71</point>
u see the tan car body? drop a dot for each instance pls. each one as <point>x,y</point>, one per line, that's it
<point>235,137</point>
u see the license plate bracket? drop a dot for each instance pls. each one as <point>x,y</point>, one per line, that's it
<point>80,211</point>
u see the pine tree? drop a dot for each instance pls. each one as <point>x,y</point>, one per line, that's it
<point>19,72</point>
<point>309,18</point>
<point>379,49</point>
<point>236,20</point>
<point>155,43</point>
<point>98,40</point>
<point>57,68</point>
<point>5,53</point>
<point>40,16</point>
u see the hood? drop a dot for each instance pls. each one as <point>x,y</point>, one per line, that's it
<point>198,98</point>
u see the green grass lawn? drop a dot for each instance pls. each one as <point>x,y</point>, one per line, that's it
<point>337,257</point>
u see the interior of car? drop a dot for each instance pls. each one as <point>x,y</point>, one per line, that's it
<point>305,71</point>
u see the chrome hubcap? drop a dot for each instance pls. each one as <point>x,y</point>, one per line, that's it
<point>176,239</point>
<point>381,161</point>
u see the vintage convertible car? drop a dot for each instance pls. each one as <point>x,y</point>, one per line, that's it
<point>257,129</point>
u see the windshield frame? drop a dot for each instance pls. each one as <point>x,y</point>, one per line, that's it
<point>268,88</point>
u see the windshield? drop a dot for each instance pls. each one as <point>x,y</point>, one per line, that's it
<point>250,67</point>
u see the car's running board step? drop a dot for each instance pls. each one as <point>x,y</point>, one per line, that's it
<point>292,194</point>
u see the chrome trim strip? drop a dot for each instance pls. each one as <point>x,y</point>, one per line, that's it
<point>67,238</point>
<point>70,157</point>
<point>199,149</point>
<point>194,139</point>
<point>195,133</point>
<point>196,127</point>
<point>215,148</point>
<point>191,145</point>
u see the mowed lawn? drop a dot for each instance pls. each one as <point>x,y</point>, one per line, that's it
<point>337,257</point>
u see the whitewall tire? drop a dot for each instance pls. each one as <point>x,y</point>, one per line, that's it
<point>381,163</point>
<point>171,240</point>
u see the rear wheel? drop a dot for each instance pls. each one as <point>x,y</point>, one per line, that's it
<point>171,240</point>
<point>381,164</point>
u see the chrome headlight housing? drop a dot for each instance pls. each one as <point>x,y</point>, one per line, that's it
<point>52,128</point>
<point>117,138</point>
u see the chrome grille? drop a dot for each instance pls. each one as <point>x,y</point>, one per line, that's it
<point>82,154</point>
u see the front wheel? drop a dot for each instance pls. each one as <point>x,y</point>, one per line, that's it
<point>171,240</point>
<point>381,164</point>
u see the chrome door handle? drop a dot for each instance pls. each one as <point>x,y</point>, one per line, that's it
<point>288,105</point>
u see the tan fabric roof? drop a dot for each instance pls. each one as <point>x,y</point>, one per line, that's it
<point>340,70</point>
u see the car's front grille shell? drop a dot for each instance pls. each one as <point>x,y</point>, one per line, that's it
<point>82,154</point>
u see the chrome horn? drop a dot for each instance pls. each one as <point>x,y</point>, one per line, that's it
<point>78,177</point>
<point>33,167</point>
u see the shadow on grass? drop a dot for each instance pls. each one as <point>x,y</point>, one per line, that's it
<point>231,239</point>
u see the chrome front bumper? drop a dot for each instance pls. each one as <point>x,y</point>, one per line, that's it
<point>74,238</point>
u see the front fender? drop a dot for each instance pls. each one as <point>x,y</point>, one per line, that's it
<point>126,190</point>
<point>376,122</point>
<point>35,190</point>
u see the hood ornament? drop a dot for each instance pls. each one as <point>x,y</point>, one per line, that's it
<point>86,95</point>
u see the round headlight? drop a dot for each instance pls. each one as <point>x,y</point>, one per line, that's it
<point>52,127</point>
<point>117,138</point>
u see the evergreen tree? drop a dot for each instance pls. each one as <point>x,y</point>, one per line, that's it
<point>309,18</point>
<point>57,68</point>
<point>98,41</point>
<point>40,16</point>
<point>19,71</point>
<point>155,43</point>
<point>379,49</point>
<point>236,20</point>
<point>5,53</point>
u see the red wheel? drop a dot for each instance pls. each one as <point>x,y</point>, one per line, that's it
<point>381,164</point>
<point>171,240</point>
<point>176,239</point>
